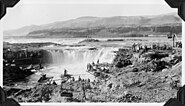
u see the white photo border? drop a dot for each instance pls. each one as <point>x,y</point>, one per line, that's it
<point>93,2</point>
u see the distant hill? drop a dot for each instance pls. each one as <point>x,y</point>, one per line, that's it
<point>104,26</point>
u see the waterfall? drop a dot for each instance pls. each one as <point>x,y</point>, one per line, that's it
<point>84,56</point>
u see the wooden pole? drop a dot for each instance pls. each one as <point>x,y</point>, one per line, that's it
<point>83,91</point>
<point>173,40</point>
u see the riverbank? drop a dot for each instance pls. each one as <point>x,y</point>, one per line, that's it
<point>22,60</point>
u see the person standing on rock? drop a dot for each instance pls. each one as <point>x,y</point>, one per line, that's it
<point>93,63</point>
<point>145,48</point>
<point>40,66</point>
<point>79,78</point>
<point>88,80</point>
<point>134,47</point>
<point>98,61</point>
<point>73,79</point>
<point>65,72</point>
<point>89,67</point>
<point>137,47</point>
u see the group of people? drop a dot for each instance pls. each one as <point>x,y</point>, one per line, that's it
<point>136,47</point>
<point>92,66</point>
<point>98,70</point>
<point>179,44</point>
<point>158,47</point>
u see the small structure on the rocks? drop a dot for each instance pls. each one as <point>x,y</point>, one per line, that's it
<point>65,92</point>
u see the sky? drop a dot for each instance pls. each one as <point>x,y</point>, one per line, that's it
<point>38,12</point>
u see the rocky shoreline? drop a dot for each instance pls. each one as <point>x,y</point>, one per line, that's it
<point>143,74</point>
<point>21,60</point>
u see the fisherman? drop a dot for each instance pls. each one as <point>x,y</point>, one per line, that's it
<point>179,44</point>
<point>145,48</point>
<point>89,67</point>
<point>134,47</point>
<point>49,81</point>
<point>93,63</point>
<point>83,80</point>
<point>79,78</point>
<point>98,70</point>
<point>73,79</point>
<point>94,66</point>
<point>61,87</point>
<point>44,76</point>
<point>165,47</point>
<point>98,61</point>
<point>137,48</point>
<point>154,46</point>
<point>40,66</point>
<point>88,80</point>
<point>107,70</point>
<point>140,47</point>
<point>103,69</point>
<point>65,72</point>
<point>158,46</point>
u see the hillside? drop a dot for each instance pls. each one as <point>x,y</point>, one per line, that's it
<point>104,27</point>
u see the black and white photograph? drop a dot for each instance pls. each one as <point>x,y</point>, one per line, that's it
<point>97,52</point>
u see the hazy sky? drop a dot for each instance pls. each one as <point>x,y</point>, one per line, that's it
<point>36,12</point>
